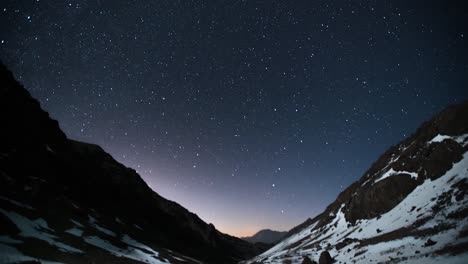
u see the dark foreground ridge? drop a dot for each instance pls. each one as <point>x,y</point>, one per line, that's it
<point>410,206</point>
<point>68,201</point>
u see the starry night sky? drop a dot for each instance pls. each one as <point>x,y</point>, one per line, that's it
<point>252,114</point>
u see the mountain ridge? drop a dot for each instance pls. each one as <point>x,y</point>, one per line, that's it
<point>67,185</point>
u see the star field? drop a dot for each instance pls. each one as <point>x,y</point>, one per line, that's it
<point>252,114</point>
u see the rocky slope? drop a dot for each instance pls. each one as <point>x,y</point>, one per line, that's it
<point>265,236</point>
<point>68,201</point>
<point>411,206</point>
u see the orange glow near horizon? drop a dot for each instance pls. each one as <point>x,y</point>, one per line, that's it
<point>210,209</point>
<point>244,233</point>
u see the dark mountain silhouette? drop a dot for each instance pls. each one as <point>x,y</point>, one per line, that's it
<point>411,205</point>
<point>265,236</point>
<point>69,201</point>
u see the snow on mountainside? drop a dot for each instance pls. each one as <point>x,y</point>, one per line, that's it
<point>73,238</point>
<point>411,206</point>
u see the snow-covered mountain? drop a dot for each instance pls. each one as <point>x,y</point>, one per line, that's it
<point>411,206</point>
<point>71,202</point>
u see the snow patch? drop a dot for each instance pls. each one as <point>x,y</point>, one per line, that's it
<point>459,139</point>
<point>439,138</point>
<point>130,252</point>
<point>16,203</point>
<point>76,223</point>
<point>93,223</point>
<point>75,231</point>
<point>392,172</point>
<point>179,259</point>
<point>132,242</point>
<point>48,148</point>
<point>37,229</point>
<point>12,255</point>
<point>104,230</point>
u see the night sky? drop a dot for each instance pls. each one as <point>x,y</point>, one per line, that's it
<point>252,114</point>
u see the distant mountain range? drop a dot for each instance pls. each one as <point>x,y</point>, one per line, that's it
<point>67,201</point>
<point>265,236</point>
<point>411,206</point>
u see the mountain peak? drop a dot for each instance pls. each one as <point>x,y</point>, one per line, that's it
<point>267,236</point>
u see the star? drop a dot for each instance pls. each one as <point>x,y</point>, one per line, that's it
<point>215,93</point>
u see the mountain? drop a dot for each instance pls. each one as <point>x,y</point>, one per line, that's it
<point>67,201</point>
<point>265,236</point>
<point>411,206</point>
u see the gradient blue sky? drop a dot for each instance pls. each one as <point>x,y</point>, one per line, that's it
<point>252,114</point>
